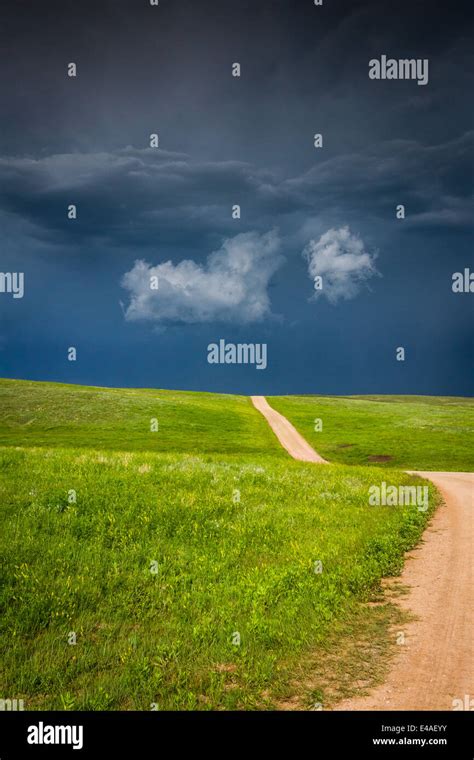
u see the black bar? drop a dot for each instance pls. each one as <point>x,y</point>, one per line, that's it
<point>307,734</point>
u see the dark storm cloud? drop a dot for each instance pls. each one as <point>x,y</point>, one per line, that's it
<point>248,142</point>
<point>168,69</point>
<point>434,182</point>
<point>134,197</point>
<point>129,195</point>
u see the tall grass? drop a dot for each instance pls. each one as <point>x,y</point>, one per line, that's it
<point>189,582</point>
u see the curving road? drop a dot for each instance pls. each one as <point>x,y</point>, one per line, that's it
<point>434,667</point>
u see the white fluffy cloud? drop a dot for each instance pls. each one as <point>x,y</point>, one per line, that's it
<point>231,286</point>
<point>342,261</point>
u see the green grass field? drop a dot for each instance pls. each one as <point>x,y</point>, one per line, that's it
<point>406,432</point>
<point>185,561</point>
<point>56,415</point>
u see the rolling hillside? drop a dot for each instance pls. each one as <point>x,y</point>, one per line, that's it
<point>406,432</point>
<point>196,567</point>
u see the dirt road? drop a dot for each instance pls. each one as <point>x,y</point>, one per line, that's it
<point>435,663</point>
<point>288,436</point>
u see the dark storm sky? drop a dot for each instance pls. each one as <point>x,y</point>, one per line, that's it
<point>246,141</point>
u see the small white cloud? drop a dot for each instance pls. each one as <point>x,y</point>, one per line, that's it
<point>343,263</point>
<point>230,287</point>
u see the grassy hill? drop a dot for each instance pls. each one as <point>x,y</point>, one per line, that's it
<point>56,415</point>
<point>407,432</point>
<point>197,567</point>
